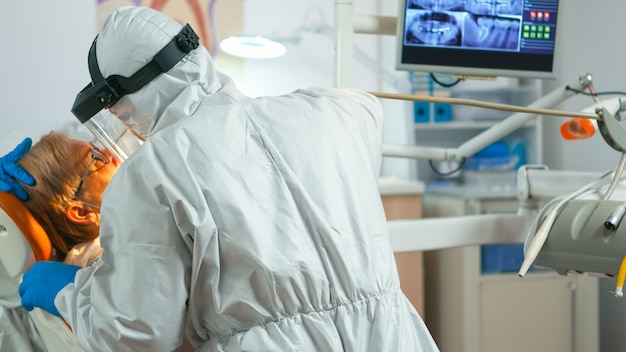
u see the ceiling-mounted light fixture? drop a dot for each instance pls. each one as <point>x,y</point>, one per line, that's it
<point>272,46</point>
<point>252,47</point>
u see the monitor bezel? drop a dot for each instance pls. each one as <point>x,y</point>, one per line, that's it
<point>472,71</point>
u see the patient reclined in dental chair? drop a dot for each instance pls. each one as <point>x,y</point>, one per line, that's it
<point>23,242</point>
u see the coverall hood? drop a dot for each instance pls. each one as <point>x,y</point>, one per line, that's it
<point>130,38</point>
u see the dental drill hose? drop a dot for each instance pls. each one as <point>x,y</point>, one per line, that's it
<point>537,242</point>
<point>615,218</point>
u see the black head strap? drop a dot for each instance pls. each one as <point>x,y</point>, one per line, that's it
<point>163,61</point>
<point>103,93</point>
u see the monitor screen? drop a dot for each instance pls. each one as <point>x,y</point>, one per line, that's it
<point>485,38</point>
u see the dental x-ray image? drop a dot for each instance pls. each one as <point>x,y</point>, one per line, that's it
<point>463,29</point>
<point>434,28</point>
<point>479,7</point>
<point>491,32</point>
<point>437,5</point>
<point>494,7</point>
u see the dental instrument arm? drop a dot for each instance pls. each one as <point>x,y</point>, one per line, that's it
<point>495,132</point>
<point>608,125</point>
<point>480,229</point>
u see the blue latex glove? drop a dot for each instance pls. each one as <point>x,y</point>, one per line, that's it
<point>41,284</point>
<point>11,172</point>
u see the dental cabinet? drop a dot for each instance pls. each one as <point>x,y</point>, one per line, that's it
<point>469,310</point>
<point>403,200</point>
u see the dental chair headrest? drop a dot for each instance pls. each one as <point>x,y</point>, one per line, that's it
<point>22,239</point>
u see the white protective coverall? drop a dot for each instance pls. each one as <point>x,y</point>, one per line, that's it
<point>23,331</point>
<point>246,224</point>
<point>18,332</point>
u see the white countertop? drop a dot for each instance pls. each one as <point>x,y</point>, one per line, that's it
<point>473,192</point>
<point>478,185</point>
<point>391,186</point>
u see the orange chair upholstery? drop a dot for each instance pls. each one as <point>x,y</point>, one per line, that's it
<point>22,239</point>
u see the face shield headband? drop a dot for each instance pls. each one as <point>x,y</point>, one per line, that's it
<point>103,93</point>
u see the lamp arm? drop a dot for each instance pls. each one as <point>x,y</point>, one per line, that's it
<point>517,120</point>
<point>495,132</point>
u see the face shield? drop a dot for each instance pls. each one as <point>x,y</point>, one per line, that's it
<point>92,103</point>
<point>112,134</point>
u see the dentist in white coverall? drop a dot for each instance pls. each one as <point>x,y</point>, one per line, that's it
<point>241,224</point>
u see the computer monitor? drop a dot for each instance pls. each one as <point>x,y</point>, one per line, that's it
<point>483,38</point>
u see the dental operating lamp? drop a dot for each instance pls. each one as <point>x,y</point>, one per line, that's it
<point>580,232</point>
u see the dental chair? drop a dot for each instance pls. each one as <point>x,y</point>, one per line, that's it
<point>23,242</point>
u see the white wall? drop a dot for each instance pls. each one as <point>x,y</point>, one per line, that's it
<point>43,63</point>
<point>310,61</point>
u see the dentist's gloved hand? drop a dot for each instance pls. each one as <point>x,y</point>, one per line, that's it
<point>11,172</point>
<point>41,284</point>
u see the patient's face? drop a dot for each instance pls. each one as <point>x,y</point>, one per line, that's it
<point>99,175</point>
